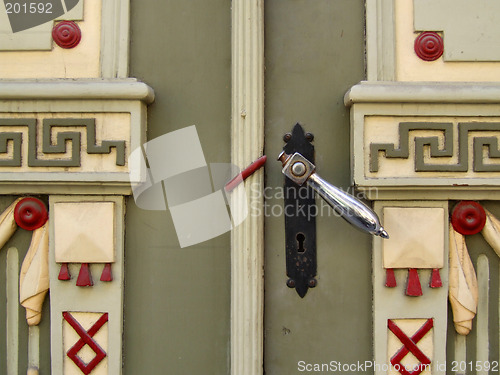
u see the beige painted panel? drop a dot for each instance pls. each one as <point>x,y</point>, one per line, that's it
<point>84,232</point>
<point>411,68</point>
<point>36,38</point>
<point>109,126</point>
<point>426,345</point>
<point>409,313</point>
<point>87,304</point>
<point>70,338</point>
<point>83,61</point>
<point>410,248</point>
<point>385,129</point>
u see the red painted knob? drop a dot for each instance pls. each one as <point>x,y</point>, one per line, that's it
<point>30,213</point>
<point>429,46</point>
<point>66,34</point>
<point>468,217</point>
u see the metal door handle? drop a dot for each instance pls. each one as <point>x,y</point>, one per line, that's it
<point>300,170</point>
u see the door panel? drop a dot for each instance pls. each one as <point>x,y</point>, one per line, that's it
<point>311,61</point>
<point>177,301</point>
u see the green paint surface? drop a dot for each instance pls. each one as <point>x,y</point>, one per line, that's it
<point>314,54</point>
<point>177,301</point>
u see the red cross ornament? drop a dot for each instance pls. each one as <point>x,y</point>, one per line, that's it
<point>86,338</point>
<point>410,346</point>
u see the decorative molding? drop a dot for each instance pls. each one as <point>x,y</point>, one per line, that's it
<point>472,32</point>
<point>392,303</point>
<point>463,293</point>
<point>429,46</point>
<point>60,146</point>
<point>447,151</point>
<point>39,37</point>
<point>422,93</point>
<point>380,40</point>
<point>119,111</point>
<point>390,37</point>
<point>83,89</point>
<point>66,34</point>
<point>443,117</point>
<point>103,297</point>
<point>485,336</point>
<point>12,310</point>
<point>86,337</point>
<point>34,277</point>
<point>411,346</point>
<point>247,241</point>
<point>108,26</point>
<point>115,37</point>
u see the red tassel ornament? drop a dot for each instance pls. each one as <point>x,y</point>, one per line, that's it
<point>413,288</point>
<point>106,274</point>
<point>84,277</point>
<point>436,279</point>
<point>390,278</point>
<point>64,274</point>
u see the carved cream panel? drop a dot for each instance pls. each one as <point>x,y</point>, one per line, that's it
<point>70,136</point>
<point>439,138</point>
<point>91,357</point>
<point>409,67</point>
<point>86,320</point>
<point>82,61</point>
<point>459,48</point>
<point>36,38</point>
<point>438,148</point>
<point>410,248</point>
<point>84,232</point>
<point>410,330</point>
<point>413,358</point>
<point>79,142</point>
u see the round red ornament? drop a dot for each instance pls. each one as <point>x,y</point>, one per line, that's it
<point>66,34</point>
<point>429,46</point>
<point>30,213</point>
<point>468,217</point>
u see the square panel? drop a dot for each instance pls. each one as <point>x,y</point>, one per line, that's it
<point>410,346</point>
<point>84,232</point>
<point>85,343</point>
<point>416,237</point>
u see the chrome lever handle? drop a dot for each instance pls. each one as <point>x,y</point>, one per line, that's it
<point>300,170</point>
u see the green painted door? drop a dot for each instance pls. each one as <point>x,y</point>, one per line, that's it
<point>177,301</point>
<point>314,54</point>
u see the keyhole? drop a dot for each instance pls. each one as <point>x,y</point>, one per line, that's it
<point>301,238</point>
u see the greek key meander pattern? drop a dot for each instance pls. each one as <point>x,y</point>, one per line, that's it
<point>59,147</point>
<point>448,150</point>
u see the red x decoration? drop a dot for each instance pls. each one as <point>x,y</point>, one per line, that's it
<point>410,345</point>
<point>86,339</point>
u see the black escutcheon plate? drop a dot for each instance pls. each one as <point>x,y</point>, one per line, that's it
<point>300,219</point>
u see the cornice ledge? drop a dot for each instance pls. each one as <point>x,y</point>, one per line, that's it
<point>423,92</point>
<point>81,89</point>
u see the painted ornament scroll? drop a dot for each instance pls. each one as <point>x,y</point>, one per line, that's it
<point>468,218</point>
<point>30,214</point>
